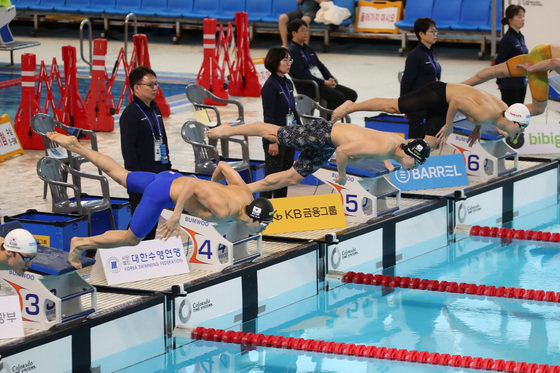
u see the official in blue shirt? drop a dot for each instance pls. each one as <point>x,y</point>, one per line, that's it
<point>307,66</point>
<point>513,90</point>
<point>279,107</point>
<point>421,68</point>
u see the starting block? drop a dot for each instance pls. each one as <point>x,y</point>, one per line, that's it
<point>50,300</point>
<point>367,193</point>
<point>486,158</point>
<point>216,246</point>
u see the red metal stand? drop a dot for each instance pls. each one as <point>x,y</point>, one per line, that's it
<point>71,108</point>
<point>99,102</point>
<point>29,106</point>
<point>210,75</point>
<point>244,80</point>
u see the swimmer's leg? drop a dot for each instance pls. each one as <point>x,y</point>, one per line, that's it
<point>491,72</point>
<point>106,240</point>
<point>102,161</point>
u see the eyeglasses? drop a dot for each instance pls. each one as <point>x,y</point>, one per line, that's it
<point>26,258</point>
<point>288,60</point>
<point>151,85</point>
<point>521,125</point>
<point>434,31</point>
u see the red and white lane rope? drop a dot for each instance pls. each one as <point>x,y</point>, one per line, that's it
<point>350,349</point>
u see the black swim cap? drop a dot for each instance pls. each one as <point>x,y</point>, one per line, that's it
<point>418,149</point>
<point>260,209</point>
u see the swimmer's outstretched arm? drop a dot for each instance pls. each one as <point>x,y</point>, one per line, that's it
<point>545,65</point>
<point>491,72</point>
<point>275,181</point>
<point>265,130</point>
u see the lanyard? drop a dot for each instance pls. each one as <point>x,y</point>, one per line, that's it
<point>150,122</point>
<point>304,55</point>
<point>288,96</point>
<point>435,64</point>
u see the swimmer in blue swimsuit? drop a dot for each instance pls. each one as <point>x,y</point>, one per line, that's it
<point>208,200</point>
<point>319,139</point>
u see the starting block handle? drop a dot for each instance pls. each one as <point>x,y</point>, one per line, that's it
<point>78,315</point>
<point>250,238</point>
<point>76,295</point>
<point>246,259</point>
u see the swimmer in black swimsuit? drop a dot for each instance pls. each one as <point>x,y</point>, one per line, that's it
<point>208,200</point>
<point>442,101</point>
<point>318,141</point>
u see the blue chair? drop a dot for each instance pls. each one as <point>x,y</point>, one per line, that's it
<point>25,4</point>
<point>99,6</point>
<point>488,26</point>
<point>204,9</point>
<point>75,6</point>
<point>257,9</point>
<point>123,7</point>
<point>279,7</point>
<point>415,9</point>
<point>151,7</point>
<point>446,13</point>
<point>176,9</point>
<point>474,15</point>
<point>48,5</point>
<point>228,8</point>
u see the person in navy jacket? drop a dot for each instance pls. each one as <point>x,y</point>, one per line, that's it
<point>279,107</point>
<point>421,68</point>
<point>513,89</point>
<point>307,66</point>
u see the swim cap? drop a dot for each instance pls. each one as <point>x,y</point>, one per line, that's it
<point>260,209</point>
<point>518,113</point>
<point>21,241</point>
<point>418,149</point>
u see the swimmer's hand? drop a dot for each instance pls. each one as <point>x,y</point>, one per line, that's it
<point>75,253</point>
<point>340,111</point>
<point>341,179</point>
<point>219,132</point>
<point>475,135</point>
<point>525,66</point>
<point>169,228</point>
<point>443,134</point>
<point>389,165</point>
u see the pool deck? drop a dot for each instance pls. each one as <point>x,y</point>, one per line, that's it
<point>350,61</point>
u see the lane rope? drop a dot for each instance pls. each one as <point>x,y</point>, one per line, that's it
<point>350,349</point>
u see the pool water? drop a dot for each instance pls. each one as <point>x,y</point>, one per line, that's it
<point>10,97</point>
<point>456,324</point>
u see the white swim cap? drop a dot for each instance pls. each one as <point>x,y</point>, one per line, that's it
<point>20,241</point>
<point>518,113</point>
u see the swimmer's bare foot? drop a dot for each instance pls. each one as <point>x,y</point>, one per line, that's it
<point>69,142</point>
<point>340,111</point>
<point>219,132</point>
<point>75,253</point>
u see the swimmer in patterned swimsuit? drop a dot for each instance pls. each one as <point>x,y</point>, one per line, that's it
<point>208,200</point>
<point>517,66</point>
<point>319,139</point>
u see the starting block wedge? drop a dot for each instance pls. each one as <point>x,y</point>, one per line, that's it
<point>367,193</point>
<point>216,246</point>
<point>50,300</point>
<point>487,158</point>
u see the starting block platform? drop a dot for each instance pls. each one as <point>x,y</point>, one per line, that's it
<point>487,158</point>
<point>216,246</point>
<point>367,193</point>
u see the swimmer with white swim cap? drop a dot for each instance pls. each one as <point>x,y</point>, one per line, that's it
<point>17,250</point>
<point>442,101</point>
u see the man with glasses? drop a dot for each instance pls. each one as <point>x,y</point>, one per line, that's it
<point>17,250</point>
<point>143,138</point>
<point>442,101</point>
<point>319,139</point>
<point>306,65</point>
<point>207,200</point>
